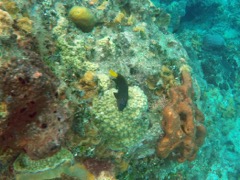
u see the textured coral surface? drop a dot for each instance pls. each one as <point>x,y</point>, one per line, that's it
<point>6,22</point>
<point>151,46</point>
<point>35,122</point>
<point>182,123</point>
<point>121,129</point>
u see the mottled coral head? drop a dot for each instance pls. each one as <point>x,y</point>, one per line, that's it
<point>82,17</point>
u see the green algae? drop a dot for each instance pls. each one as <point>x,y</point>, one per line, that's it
<point>24,164</point>
<point>50,168</point>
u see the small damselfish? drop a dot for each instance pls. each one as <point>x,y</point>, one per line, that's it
<point>122,86</point>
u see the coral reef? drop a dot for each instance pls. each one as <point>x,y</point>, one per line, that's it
<point>6,159</point>
<point>24,164</point>
<point>88,85</point>
<point>97,167</point>
<point>115,39</point>
<point>130,37</point>
<point>74,54</point>
<point>176,10</point>
<point>11,7</point>
<point>167,77</point>
<point>83,18</point>
<point>25,24</point>
<point>29,90</point>
<point>60,164</point>
<point>182,123</point>
<point>121,130</point>
<point>6,22</point>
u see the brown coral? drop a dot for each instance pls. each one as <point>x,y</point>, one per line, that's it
<point>182,123</point>
<point>36,121</point>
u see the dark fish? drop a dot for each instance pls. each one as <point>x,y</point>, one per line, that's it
<point>122,86</point>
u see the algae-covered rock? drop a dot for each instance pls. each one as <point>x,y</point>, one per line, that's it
<point>74,54</point>
<point>24,164</point>
<point>53,167</point>
<point>121,129</point>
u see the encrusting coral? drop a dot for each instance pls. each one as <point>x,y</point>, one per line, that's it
<point>182,123</point>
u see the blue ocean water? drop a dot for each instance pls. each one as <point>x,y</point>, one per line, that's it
<point>60,116</point>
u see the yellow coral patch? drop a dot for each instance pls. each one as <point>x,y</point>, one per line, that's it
<point>185,67</point>
<point>11,8</point>
<point>167,76</point>
<point>25,24</point>
<point>139,29</point>
<point>119,18</point>
<point>83,18</point>
<point>103,6</point>
<point>130,20</point>
<point>88,85</point>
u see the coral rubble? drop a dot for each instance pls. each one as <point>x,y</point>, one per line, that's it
<point>182,123</point>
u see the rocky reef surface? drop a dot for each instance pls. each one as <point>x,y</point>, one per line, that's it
<point>58,106</point>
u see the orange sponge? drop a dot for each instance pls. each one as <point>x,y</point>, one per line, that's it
<point>182,123</point>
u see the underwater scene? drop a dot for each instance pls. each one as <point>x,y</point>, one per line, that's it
<point>119,90</point>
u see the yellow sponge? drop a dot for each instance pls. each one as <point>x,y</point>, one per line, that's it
<point>82,17</point>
